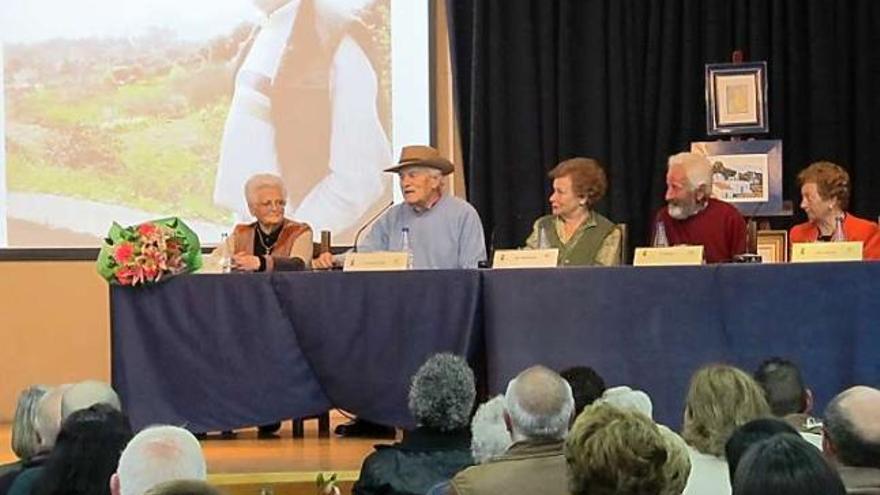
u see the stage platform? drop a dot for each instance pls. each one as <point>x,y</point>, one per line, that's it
<point>246,465</point>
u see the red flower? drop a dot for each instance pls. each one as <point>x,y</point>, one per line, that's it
<point>125,275</point>
<point>123,253</point>
<point>146,229</point>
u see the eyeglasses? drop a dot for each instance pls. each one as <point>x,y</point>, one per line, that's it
<point>278,203</point>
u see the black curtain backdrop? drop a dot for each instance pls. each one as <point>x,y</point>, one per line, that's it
<point>623,81</point>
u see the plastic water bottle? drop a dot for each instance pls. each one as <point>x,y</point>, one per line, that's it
<point>543,242</point>
<point>839,235</point>
<point>406,245</point>
<point>660,239</point>
<point>225,259</point>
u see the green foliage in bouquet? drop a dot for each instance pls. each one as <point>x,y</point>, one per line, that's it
<point>148,253</point>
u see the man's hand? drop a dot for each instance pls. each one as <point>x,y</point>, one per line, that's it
<point>324,261</point>
<point>245,262</point>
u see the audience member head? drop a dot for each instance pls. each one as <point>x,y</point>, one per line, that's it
<point>785,464</point>
<point>586,384</point>
<point>88,393</point>
<point>155,455</point>
<point>538,405</point>
<point>86,453</point>
<point>489,435</point>
<point>624,397</point>
<point>677,469</point>
<point>688,184</point>
<point>611,451</point>
<point>825,189</point>
<point>48,417</point>
<point>784,387</point>
<point>749,434</point>
<point>25,438</point>
<point>852,428</point>
<point>578,184</point>
<point>720,399</point>
<point>183,487</point>
<point>442,393</point>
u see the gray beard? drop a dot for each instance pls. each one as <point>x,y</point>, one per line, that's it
<point>681,212</point>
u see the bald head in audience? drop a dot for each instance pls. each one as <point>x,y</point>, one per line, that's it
<point>852,428</point>
<point>48,417</point>
<point>539,405</point>
<point>155,455</point>
<point>86,394</point>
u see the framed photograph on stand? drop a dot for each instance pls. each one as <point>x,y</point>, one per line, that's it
<point>773,246</point>
<point>736,99</point>
<point>747,174</point>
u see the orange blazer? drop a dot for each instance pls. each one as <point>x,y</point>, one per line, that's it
<point>855,228</point>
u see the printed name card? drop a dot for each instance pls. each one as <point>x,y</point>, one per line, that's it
<point>668,256</point>
<point>378,261</point>
<point>807,252</point>
<point>525,258</point>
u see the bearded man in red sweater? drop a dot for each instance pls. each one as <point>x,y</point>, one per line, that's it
<point>691,216</point>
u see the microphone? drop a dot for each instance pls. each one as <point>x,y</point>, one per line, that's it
<point>369,222</point>
<point>487,263</point>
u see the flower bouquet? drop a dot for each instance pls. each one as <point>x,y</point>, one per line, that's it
<point>148,253</point>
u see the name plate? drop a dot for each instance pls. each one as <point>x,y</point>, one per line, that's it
<point>378,261</point>
<point>668,256</point>
<point>807,252</point>
<point>525,258</point>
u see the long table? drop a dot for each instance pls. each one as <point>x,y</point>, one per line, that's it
<point>223,351</point>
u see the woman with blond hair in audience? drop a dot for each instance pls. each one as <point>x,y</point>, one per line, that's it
<point>720,399</point>
<point>615,451</point>
<point>825,191</point>
<point>25,438</point>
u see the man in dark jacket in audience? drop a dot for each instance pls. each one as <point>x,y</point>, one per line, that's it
<point>440,399</point>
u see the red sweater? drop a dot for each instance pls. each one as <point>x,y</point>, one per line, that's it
<point>719,228</point>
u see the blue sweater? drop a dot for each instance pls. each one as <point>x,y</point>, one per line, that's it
<point>448,235</point>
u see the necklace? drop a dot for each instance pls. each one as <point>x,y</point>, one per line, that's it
<point>267,246</point>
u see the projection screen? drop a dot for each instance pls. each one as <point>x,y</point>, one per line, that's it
<point>127,110</point>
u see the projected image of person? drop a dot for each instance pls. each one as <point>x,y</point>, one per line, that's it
<point>307,106</point>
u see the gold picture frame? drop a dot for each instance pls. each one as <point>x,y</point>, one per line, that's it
<point>773,246</point>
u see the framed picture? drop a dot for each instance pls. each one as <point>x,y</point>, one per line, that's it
<point>747,174</point>
<point>736,99</point>
<point>773,246</point>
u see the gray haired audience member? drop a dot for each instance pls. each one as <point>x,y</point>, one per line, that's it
<point>86,394</point>
<point>586,385</point>
<point>851,439</point>
<point>183,487</point>
<point>48,417</point>
<point>441,399</point>
<point>785,464</point>
<point>749,434</point>
<point>489,435</point>
<point>628,399</point>
<point>539,407</point>
<point>25,438</point>
<point>155,455</point>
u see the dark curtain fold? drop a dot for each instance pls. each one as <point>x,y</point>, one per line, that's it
<point>623,81</point>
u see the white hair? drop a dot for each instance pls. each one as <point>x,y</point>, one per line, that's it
<point>158,454</point>
<point>47,420</point>
<point>625,398</point>
<point>258,181</point>
<point>87,393</point>
<point>696,167</point>
<point>489,435</point>
<point>539,404</point>
<point>433,172</point>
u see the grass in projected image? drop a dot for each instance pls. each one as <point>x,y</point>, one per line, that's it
<point>141,134</point>
<point>133,122</point>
